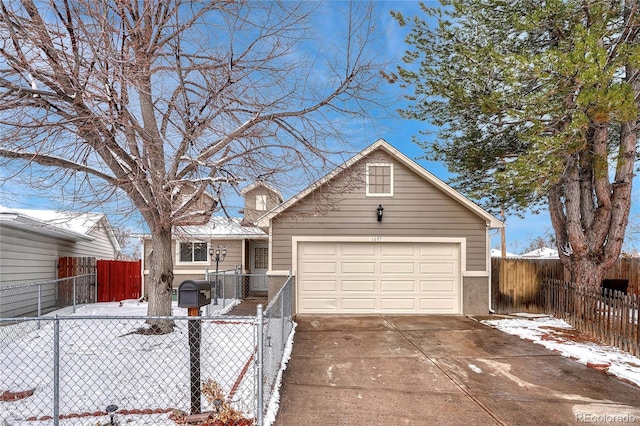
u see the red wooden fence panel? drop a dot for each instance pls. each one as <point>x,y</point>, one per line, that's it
<point>119,280</point>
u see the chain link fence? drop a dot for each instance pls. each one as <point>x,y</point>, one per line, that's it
<point>81,370</point>
<point>232,284</point>
<point>34,299</point>
<point>277,332</point>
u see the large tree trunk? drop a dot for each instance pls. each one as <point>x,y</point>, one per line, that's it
<point>161,277</point>
<point>586,272</point>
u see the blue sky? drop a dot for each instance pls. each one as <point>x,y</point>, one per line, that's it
<point>387,125</point>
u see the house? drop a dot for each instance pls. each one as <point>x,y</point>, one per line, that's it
<point>245,244</point>
<point>498,253</point>
<point>32,241</point>
<point>541,253</point>
<point>379,234</point>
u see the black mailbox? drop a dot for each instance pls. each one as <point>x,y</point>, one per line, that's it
<point>194,294</point>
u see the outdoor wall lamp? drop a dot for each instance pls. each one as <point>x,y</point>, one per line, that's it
<point>380,209</point>
<point>218,254</point>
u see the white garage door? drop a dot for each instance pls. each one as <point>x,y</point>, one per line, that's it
<point>348,278</point>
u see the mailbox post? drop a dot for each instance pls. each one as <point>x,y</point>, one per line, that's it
<point>193,295</point>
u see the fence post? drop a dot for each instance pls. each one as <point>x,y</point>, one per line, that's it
<point>259,365</point>
<point>56,370</point>
<point>282,296</point>
<point>39,305</point>
<point>221,286</point>
<point>74,295</point>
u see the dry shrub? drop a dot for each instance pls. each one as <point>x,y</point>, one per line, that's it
<point>223,415</point>
<point>216,397</point>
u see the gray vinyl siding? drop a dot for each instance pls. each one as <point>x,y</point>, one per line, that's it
<point>29,257</point>
<point>100,248</point>
<point>416,209</point>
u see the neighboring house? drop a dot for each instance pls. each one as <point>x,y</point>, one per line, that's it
<point>246,245</point>
<point>541,253</point>
<point>32,241</point>
<point>498,253</point>
<point>429,253</point>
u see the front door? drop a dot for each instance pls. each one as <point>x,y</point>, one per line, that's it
<point>259,265</point>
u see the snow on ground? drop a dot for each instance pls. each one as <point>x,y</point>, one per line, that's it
<point>103,362</point>
<point>558,336</point>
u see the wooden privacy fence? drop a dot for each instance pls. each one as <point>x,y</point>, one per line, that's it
<point>608,316</point>
<point>516,283</point>
<point>119,280</point>
<point>69,267</point>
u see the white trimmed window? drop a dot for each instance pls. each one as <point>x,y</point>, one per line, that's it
<point>190,252</point>
<point>261,258</point>
<point>379,180</point>
<point>261,202</point>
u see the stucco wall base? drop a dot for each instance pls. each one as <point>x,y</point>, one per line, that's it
<point>475,296</point>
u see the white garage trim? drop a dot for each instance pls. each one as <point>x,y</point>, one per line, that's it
<point>365,304</point>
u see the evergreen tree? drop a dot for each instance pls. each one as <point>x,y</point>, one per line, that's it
<point>536,103</point>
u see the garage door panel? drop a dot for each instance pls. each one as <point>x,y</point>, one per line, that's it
<point>397,250</point>
<point>389,286</point>
<point>356,249</point>
<point>438,304</point>
<point>319,249</point>
<point>438,268</point>
<point>358,304</point>
<point>398,304</point>
<point>394,268</point>
<point>377,277</point>
<point>319,268</point>
<point>358,267</point>
<point>319,285</point>
<point>427,286</point>
<point>358,285</point>
<point>439,250</point>
<point>320,304</point>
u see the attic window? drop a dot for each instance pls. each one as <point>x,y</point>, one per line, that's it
<point>261,202</point>
<point>379,180</point>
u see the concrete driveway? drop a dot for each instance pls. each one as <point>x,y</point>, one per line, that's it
<point>432,370</point>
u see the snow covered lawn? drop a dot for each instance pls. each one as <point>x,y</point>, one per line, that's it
<point>103,362</point>
<point>558,336</point>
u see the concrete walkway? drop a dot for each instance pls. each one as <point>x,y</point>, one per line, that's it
<point>439,370</point>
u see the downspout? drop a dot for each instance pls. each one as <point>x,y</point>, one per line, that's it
<point>490,235</point>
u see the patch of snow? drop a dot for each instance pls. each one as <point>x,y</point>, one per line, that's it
<point>475,368</point>
<point>541,253</point>
<point>498,253</point>
<point>77,222</point>
<point>543,331</point>
<point>528,315</point>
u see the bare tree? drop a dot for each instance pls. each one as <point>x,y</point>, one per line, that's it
<point>172,102</point>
